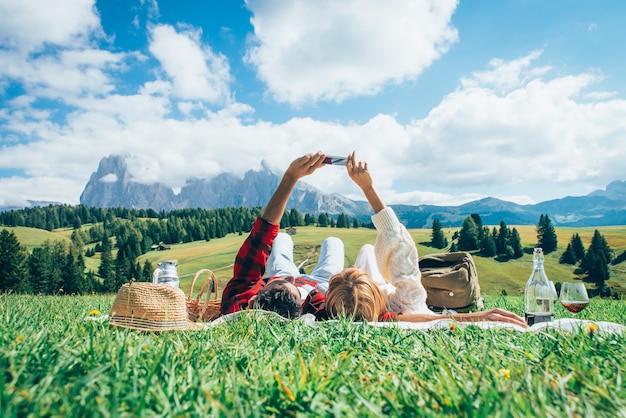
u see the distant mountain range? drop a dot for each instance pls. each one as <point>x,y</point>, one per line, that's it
<point>112,186</point>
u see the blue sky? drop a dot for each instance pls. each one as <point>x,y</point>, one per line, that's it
<point>448,101</point>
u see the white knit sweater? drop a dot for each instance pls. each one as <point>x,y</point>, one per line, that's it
<point>398,262</point>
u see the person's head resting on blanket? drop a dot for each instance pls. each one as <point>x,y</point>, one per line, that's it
<point>354,294</point>
<point>279,295</point>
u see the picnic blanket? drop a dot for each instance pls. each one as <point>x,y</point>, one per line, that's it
<point>564,324</point>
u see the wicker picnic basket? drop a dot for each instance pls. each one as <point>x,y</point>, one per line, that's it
<point>209,308</point>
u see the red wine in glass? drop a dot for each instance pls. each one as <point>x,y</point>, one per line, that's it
<point>574,297</point>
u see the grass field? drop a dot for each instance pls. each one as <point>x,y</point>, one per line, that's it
<point>494,276</point>
<point>56,363</point>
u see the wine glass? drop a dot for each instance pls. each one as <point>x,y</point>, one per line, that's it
<point>574,297</point>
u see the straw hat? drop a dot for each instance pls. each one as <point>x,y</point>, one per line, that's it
<point>150,307</point>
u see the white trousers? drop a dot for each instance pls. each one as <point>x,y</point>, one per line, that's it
<point>366,260</point>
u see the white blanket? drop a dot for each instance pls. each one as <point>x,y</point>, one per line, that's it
<point>565,324</point>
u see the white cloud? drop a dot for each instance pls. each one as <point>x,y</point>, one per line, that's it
<point>17,191</point>
<point>514,125</point>
<point>26,25</point>
<point>332,50</point>
<point>50,49</point>
<point>108,178</point>
<point>197,73</point>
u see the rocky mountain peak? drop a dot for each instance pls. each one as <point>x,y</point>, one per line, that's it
<point>112,186</point>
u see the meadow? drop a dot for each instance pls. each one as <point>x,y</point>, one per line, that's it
<point>55,362</point>
<point>494,276</point>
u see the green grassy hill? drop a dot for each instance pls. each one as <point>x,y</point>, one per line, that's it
<point>33,237</point>
<point>494,276</point>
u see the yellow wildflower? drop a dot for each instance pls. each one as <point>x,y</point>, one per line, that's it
<point>452,326</point>
<point>505,373</point>
<point>94,312</point>
<point>591,327</point>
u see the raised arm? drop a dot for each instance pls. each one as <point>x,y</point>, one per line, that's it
<point>300,167</point>
<point>361,176</point>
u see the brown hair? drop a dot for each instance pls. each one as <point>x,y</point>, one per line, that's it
<point>353,293</point>
<point>279,299</point>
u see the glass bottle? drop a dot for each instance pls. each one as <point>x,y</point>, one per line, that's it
<point>539,295</point>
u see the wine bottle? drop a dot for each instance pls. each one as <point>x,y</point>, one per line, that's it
<point>539,294</point>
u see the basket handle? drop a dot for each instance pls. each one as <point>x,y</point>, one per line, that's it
<point>204,286</point>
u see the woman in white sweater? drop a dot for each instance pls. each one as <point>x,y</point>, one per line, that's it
<point>386,283</point>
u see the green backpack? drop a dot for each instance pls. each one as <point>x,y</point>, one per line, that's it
<point>451,282</point>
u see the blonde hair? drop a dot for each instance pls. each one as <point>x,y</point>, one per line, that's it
<point>353,293</point>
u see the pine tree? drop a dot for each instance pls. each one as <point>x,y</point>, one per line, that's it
<point>12,263</point>
<point>105,270</point>
<point>503,238</point>
<point>295,218</point>
<point>479,225</point>
<point>488,246</point>
<point>343,221</point>
<point>599,243</point>
<point>284,221</point>
<point>123,268</point>
<point>596,260</point>
<point>577,247</point>
<point>568,256</point>
<point>546,235</point>
<point>438,239</point>
<point>71,275</point>
<point>468,237</point>
<point>39,266</point>
<point>515,241</point>
<point>146,272</point>
<point>57,255</point>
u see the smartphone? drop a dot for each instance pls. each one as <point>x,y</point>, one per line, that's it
<point>334,160</point>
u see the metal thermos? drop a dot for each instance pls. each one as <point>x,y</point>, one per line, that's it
<point>166,273</point>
